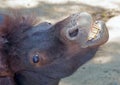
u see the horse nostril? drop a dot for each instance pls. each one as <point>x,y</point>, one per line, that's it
<point>49,23</point>
<point>73,33</point>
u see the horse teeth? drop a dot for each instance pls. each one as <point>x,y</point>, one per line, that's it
<point>94,33</point>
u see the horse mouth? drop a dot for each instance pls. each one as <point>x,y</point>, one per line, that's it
<point>98,34</point>
<point>94,31</point>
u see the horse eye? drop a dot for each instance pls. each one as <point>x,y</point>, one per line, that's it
<point>35,58</point>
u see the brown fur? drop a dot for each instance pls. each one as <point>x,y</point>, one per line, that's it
<point>13,27</point>
<point>25,49</point>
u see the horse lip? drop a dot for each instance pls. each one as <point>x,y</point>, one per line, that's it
<point>101,37</point>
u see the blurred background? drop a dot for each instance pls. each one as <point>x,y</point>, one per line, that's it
<point>104,68</point>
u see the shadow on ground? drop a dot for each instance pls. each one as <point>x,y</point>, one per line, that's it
<point>103,69</point>
<point>55,12</point>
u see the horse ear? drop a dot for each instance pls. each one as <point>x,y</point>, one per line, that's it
<point>3,24</point>
<point>4,69</point>
<point>3,19</point>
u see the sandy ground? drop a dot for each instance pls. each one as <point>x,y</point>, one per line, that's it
<point>104,68</point>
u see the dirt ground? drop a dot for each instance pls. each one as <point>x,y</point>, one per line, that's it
<point>104,68</point>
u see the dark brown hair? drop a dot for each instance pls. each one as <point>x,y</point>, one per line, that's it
<point>13,28</point>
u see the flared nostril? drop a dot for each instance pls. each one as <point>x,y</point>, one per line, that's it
<point>73,33</point>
